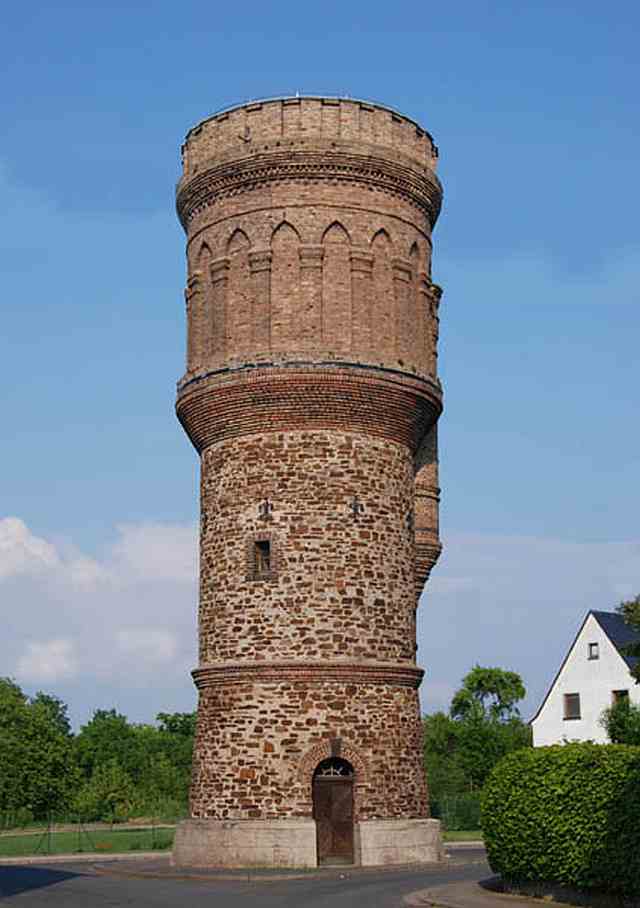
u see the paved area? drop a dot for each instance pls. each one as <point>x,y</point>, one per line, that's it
<point>149,884</point>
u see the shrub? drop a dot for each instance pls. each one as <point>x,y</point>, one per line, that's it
<point>107,795</point>
<point>567,815</point>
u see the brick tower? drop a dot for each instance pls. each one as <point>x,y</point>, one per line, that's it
<point>311,395</point>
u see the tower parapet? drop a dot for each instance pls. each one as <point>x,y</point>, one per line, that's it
<point>311,394</point>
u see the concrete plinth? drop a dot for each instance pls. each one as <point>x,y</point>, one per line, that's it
<point>398,842</point>
<point>245,843</point>
<point>292,843</point>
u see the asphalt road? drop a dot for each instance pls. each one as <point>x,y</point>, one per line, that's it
<point>77,886</point>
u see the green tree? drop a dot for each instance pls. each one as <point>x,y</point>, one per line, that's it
<point>461,748</point>
<point>55,709</point>
<point>488,693</point>
<point>109,736</point>
<point>107,795</point>
<point>622,722</point>
<point>630,611</point>
<point>37,768</point>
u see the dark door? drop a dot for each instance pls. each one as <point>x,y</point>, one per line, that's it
<point>333,813</point>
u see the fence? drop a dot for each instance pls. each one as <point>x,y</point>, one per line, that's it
<point>460,811</point>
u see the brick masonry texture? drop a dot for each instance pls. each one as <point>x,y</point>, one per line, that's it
<point>311,393</point>
<point>250,767</point>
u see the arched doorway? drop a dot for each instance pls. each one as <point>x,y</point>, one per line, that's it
<point>333,810</point>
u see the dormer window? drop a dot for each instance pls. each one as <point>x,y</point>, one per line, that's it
<point>593,650</point>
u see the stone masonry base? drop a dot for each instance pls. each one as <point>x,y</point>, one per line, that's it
<point>292,843</point>
<point>398,842</point>
<point>245,843</point>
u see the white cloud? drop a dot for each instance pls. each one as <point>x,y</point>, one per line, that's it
<point>149,646</point>
<point>157,551</point>
<point>48,661</point>
<point>96,629</point>
<point>121,629</point>
<point>21,552</point>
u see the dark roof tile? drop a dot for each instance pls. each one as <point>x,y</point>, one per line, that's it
<point>619,632</point>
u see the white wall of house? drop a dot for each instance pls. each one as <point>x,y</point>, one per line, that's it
<point>594,679</point>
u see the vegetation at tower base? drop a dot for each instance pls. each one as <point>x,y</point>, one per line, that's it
<point>37,768</point>
<point>566,816</point>
<point>461,749</point>
<point>110,770</point>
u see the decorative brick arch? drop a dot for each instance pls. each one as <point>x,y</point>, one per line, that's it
<point>332,747</point>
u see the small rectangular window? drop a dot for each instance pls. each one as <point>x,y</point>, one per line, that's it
<point>262,556</point>
<point>594,652</point>
<point>618,695</point>
<point>572,706</point>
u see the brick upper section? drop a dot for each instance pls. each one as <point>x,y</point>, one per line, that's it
<point>285,122</point>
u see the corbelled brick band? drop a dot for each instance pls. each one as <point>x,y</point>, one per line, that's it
<point>311,395</point>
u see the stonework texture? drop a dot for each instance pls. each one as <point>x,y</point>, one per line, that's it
<point>311,394</point>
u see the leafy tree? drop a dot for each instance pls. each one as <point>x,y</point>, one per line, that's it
<point>13,718</point>
<point>630,611</point>
<point>461,748</point>
<point>37,769</point>
<point>108,736</point>
<point>177,732</point>
<point>622,722</point>
<point>183,724</point>
<point>108,795</point>
<point>488,693</point>
<point>55,709</point>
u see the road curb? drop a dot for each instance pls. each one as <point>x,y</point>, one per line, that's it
<point>85,857</point>
<point>466,895</point>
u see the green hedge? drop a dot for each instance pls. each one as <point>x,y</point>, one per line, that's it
<point>568,814</point>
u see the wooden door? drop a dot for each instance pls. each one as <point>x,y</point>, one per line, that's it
<point>333,813</point>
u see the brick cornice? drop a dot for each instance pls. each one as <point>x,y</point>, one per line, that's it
<point>419,187</point>
<point>372,401</point>
<point>394,674</point>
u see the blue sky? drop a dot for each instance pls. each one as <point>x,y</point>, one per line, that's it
<point>535,111</point>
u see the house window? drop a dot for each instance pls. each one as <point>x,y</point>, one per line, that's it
<point>594,652</point>
<point>572,706</point>
<point>618,695</point>
<point>262,558</point>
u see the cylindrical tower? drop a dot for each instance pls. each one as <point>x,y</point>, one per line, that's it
<point>311,394</point>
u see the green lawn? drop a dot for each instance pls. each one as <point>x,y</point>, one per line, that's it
<point>99,841</point>
<point>463,835</point>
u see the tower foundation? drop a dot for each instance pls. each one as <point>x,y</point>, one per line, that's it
<point>293,843</point>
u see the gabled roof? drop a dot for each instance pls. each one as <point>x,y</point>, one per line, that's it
<point>617,630</point>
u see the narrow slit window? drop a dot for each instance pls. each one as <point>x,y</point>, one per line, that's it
<point>594,651</point>
<point>262,556</point>
<point>572,706</point>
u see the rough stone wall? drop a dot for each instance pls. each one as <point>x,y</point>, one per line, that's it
<point>249,767</point>
<point>311,393</point>
<point>342,582</point>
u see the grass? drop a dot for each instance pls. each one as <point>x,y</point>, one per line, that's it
<point>95,841</point>
<point>462,835</point>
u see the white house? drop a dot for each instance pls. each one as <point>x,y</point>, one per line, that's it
<point>594,674</point>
